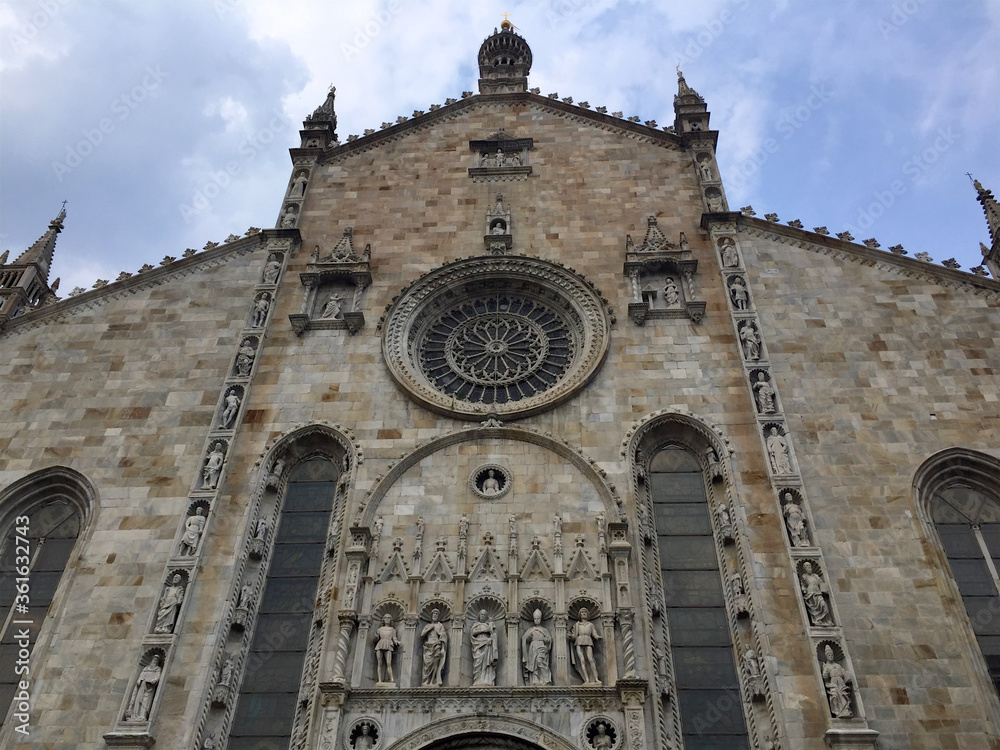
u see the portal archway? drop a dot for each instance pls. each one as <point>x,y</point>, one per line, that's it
<point>482,733</point>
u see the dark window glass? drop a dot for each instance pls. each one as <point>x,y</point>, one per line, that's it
<point>51,532</point>
<point>273,672</point>
<point>701,643</point>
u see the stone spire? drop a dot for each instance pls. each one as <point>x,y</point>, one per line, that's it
<point>991,254</point>
<point>24,284</point>
<point>691,114</point>
<point>504,62</point>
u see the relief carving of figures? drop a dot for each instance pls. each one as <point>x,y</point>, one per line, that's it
<point>193,528</point>
<point>536,648</point>
<point>333,308</point>
<point>141,702</point>
<point>795,522</point>
<point>170,605</point>
<point>385,646</point>
<point>714,465</point>
<point>213,465</point>
<point>435,638</point>
<point>777,449</point>
<point>838,686</point>
<point>231,410</point>
<point>244,358</point>
<point>765,394</point>
<point>738,291</point>
<point>260,308</point>
<point>730,257</point>
<point>812,586</point>
<point>753,674</point>
<point>750,341</point>
<point>671,294</point>
<point>583,636</point>
<point>485,655</point>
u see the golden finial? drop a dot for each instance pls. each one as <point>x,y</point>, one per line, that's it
<point>506,24</point>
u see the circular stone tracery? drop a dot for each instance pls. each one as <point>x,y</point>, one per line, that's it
<point>507,336</point>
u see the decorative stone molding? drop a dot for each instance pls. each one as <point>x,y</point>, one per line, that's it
<point>329,280</point>
<point>506,726</point>
<point>490,481</point>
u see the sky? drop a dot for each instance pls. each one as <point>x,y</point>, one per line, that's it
<point>167,125</point>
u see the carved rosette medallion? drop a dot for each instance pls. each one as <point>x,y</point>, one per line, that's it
<point>509,336</point>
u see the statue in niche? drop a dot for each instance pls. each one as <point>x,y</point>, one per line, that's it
<point>536,647</point>
<point>583,636</point>
<point>738,291</point>
<point>333,308</point>
<point>435,638</point>
<point>231,410</point>
<point>714,201</point>
<point>499,228</point>
<point>795,522</point>
<point>706,170</point>
<point>271,270</point>
<point>209,743</point>
<point>245,597</point>
<point>750,341</point>
<point>513,159</point>
<point>714,465</point>
<point>226,672</point>
<point>765,394</point>
<point>777,449</point>
<point>170,605</point>
<point>838,686</point>
<point>812,586</point>
<point>260,308</point>
<point>730,258</point>
<point>193,528</point>
<point>145,690</point>
<point>491,485</point>
<point>299,185</point>
<point>671,294</point>
<point>244,358</point>
<point>601,739</point>
<point>213,466</point>
<point>288,218</point>
<point>364,739</point>
<point>384,647</point>
<point>485,654</point>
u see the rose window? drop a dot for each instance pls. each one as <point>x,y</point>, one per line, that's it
<point>506,336</point>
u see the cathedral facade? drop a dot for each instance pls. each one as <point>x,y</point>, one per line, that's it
<point>510,434</point>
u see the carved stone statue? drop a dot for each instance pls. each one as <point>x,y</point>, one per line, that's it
<point>777,449</point>
<point>271,270</point>
<point>730,257</point>
<point>714,202</point>
<point>491,486</point>
<point>385,645</point>
<point>738,291</point>
<point>795,522</point>
<point>714,465</point>
<point>753,675</point>
<point>536,648</point>
<point>170,605</point>
<point>601,740</point>
<point>364,739</point>
<point>485,654</point>
<point>145,690</point>
<point>750,341</point>
<point>299,185</point>
<point>333,308</point>
<point>288,218</point>
<point>671,294</point>
<point>260,308</point>
<point>583,636</point>
<point>209,743</point>
<point>435,637</point>
<point>812,586</point>
<point>838,686</point>
<point>213,465</point>
<point>193,528</point>
<point>244,358</point>
<point>765,394</point>
<point>231,410</point>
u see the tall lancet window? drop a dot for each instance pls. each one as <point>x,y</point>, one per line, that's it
<point>705,677</point>
<point>34,550</point>
<point>275,661</point>
<point>968,523</point>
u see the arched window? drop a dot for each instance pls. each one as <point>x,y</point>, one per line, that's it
<point>705,678</point>
<point>40,519</point>
<point>274,664</point>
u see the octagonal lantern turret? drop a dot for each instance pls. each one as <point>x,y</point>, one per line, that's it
<point>504,62</point>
